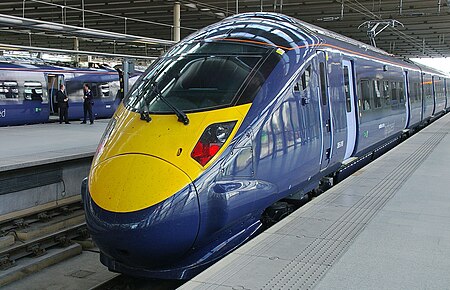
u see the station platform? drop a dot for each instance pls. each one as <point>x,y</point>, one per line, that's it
<point>384,227</point>
<point>30,145</point>
<point>42,166</point>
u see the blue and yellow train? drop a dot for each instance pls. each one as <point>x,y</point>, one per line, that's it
<point>28,91</point>
<point>233,125</point>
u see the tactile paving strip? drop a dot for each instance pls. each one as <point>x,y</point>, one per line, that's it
<point>309,266</point>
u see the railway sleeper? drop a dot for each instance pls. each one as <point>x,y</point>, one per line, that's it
<point>36,250</point>
<point>6,262</point>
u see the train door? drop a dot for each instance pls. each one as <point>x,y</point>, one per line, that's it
<point>325,110</point>
<point>350,105</point>
<point>53,83</point>
<point>407,99</point>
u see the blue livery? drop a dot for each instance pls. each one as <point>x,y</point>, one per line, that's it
<point>317,101</point>
<point>28,91</point>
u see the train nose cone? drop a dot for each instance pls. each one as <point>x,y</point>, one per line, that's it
<point>141,211</point>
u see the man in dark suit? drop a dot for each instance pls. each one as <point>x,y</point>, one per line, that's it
<point>63,104</point>
<point>87,104</point>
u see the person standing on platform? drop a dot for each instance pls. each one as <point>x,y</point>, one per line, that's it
<point>87,104</point>
<point>63,104</point>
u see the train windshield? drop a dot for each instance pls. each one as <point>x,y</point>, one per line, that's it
<point>198,77</point>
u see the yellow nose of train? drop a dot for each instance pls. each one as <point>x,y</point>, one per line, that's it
<point>131,182</point>
<point>142,207</point>
<point>141,164</point>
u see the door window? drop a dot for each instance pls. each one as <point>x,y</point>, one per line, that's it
<point>348,103</point>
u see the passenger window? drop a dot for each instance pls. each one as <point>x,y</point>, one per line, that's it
<point>447,82</point>
<point>439,88</point>
<point>33,91</point>
<point>416,91</point>
<point>9,90</point>
<point>386,93</point>
<point>94,90</point>
<point>401,91</point>
<point>104,90</point>
<point>365,95</point>
<point>377,93</point>
<point>427,89</point>
<point>74,88</point>
<point>394,93</point>
<point>323,83</point>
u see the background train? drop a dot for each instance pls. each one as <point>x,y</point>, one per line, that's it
<point>232,127</point>
<point>19,105</point>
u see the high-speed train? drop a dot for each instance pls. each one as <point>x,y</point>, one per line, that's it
<point>233,125</point>
<point>28,91</point>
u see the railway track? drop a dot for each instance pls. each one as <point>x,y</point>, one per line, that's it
<point>39,239</point>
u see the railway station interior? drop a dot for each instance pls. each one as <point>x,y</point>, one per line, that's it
<point>224,144</point>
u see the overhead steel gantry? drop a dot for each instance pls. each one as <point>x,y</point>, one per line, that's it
<point>425,33</point>
<point>375,27</point>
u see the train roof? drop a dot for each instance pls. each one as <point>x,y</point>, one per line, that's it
<point>39,64</point>
<point>292,34</point>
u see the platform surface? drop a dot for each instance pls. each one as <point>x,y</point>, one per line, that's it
<point>387,226</point>
<point>24,146</point>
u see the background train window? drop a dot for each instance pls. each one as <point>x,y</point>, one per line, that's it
<point>74,88</point>
<point>365,95</point>
<point>32,91</point>
<point>323,83</point>
<point>377,93</point>
<point>103,90</point>
<point>9,90</point>
<point>94,90</point>
<point>386,93</point>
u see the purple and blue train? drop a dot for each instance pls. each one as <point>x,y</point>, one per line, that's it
<point>233,125</point>
<point>28,91</point>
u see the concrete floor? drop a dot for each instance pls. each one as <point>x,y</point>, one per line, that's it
<point>81,272</point>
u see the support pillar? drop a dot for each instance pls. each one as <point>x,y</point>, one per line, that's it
<point>176,21</point>
<point>126,75</point>
<point>76,46</point>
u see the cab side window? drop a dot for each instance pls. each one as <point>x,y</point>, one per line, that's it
<point>303,82</point>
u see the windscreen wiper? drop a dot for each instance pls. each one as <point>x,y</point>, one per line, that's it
<point>145,114</point>
<point>182,117</point>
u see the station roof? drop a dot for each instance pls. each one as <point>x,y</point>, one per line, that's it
<point>425,31</point>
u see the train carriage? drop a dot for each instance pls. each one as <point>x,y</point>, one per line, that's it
<point>234,126</point>
<point>28,91</point>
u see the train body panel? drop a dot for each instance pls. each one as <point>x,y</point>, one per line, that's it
<point>18,105</point>
<point>263,117</point>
